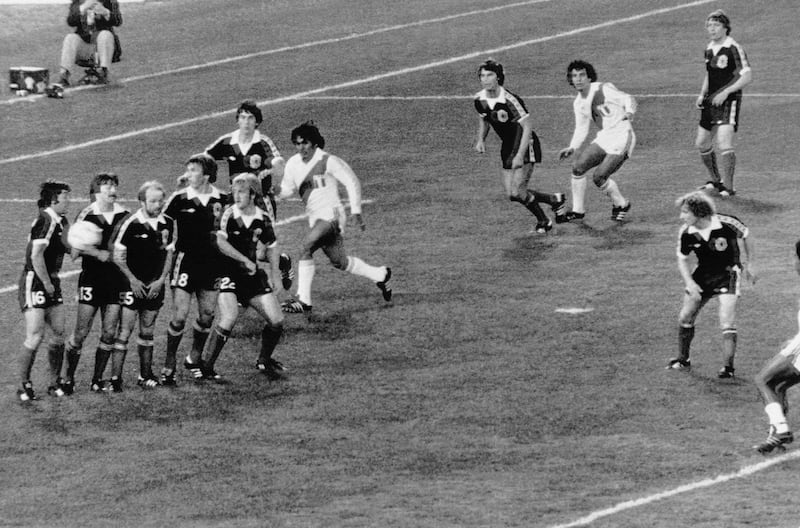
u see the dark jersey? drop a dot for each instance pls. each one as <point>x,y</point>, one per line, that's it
<point>724,64</point>
<point>197,217</point>
<point>48,229</point>
<point>109,223</point>
<point>717,247</point>
<point>146,242</point>
<point>503,113</point>
<point>245,232</point>
<point>254,157</point>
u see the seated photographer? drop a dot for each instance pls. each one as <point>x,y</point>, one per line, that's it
<point>94,22</point>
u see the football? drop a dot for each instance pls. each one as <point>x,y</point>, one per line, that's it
<point>84,235</point>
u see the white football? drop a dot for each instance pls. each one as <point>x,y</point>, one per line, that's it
<point>84,235</point>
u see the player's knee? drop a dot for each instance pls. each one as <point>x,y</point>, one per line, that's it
<point>205,315</point>
<point>600,179</point>
<point>578,170</point>
<point>33,340</point>
<point>340,263</point>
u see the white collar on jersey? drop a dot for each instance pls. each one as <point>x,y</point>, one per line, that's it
<point>116,208</point>
<point>147,220</point>
<point>715,224</point>
<point>191,193</point>
<point>501,96</point>
<point>314,159</point>
<point>727,42</point>
<point>235,138</point>
<point>53,215</point>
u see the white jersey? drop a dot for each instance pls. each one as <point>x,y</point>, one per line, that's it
<point>606,106</point>
<point>317,183</point>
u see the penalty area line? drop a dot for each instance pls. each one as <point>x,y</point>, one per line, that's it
<point>705,483</point>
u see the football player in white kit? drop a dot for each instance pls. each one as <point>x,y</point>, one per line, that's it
<point>612,111</point>
<point>315,175</point>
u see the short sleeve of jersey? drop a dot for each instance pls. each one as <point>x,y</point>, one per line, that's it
<point>684,242</point>
<point>217,149</point>
<point>42,228</point>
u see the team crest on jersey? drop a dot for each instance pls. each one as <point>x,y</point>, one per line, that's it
<point>722,62</point>
<point>257,234</point>
<point>164,237</point>
<point>216,209</point>
<point>501,116</point>
<point>720,244</point>
<point>254,161</point>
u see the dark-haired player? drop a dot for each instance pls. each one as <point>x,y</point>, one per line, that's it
<point>40,288</point>
<point>505,112</point>
<point>612,111</point>
<point>196,210</point>
<point>315,175</point>
<point>100,284</point>
<point>719,242</point>
<point>720,102</point>
<point>248,150</point>
<point>143,249</point>
<point>774,379</point>
<point>245,237</point>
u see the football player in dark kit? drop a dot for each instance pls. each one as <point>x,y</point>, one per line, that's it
<point>196,209</point>
<point>40,288</point>
<point>143,250</point>
<point>505,112</point>
<point>719,242</point>
<point>246,239</point>
<point>720,102</point>
<point>100,284</point>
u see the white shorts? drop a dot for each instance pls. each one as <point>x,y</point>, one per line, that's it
<point>792,351</point>
<point>618,141</point>
<point>328,214</point>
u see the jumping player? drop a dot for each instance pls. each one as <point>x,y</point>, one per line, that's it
<point>505,112</point>
<point>720,102</point>
<point>40,288</point>
<point>315,175</point>
<point>719,242</point>
<point>100,284</point>
<point>612,111</point>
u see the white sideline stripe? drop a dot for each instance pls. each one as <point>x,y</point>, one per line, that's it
<point>705,483</point>
<point>526,97</point>
<point>314,43</point>
<point>350,84</point>
<point>72,273</point>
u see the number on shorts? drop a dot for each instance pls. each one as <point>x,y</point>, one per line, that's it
<point>85,294</point>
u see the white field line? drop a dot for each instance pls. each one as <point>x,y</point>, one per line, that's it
<point>356,82</point>
<point>72,273</point>
<point>692,486</point>
<point>315,43</point>
<point>526,97</point>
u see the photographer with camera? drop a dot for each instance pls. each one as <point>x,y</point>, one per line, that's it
<point>94,22</point>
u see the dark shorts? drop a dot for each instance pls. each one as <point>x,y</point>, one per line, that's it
<point>195,272</point>
<point>719,282</point>
<point>100,289</point>
<point>31,293</point>
<point>510,147</point>
<point>245,286</point>
<point>131,302</point>
<point>725,114</point>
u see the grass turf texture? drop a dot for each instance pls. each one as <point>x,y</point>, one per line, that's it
<point>468,401</point>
